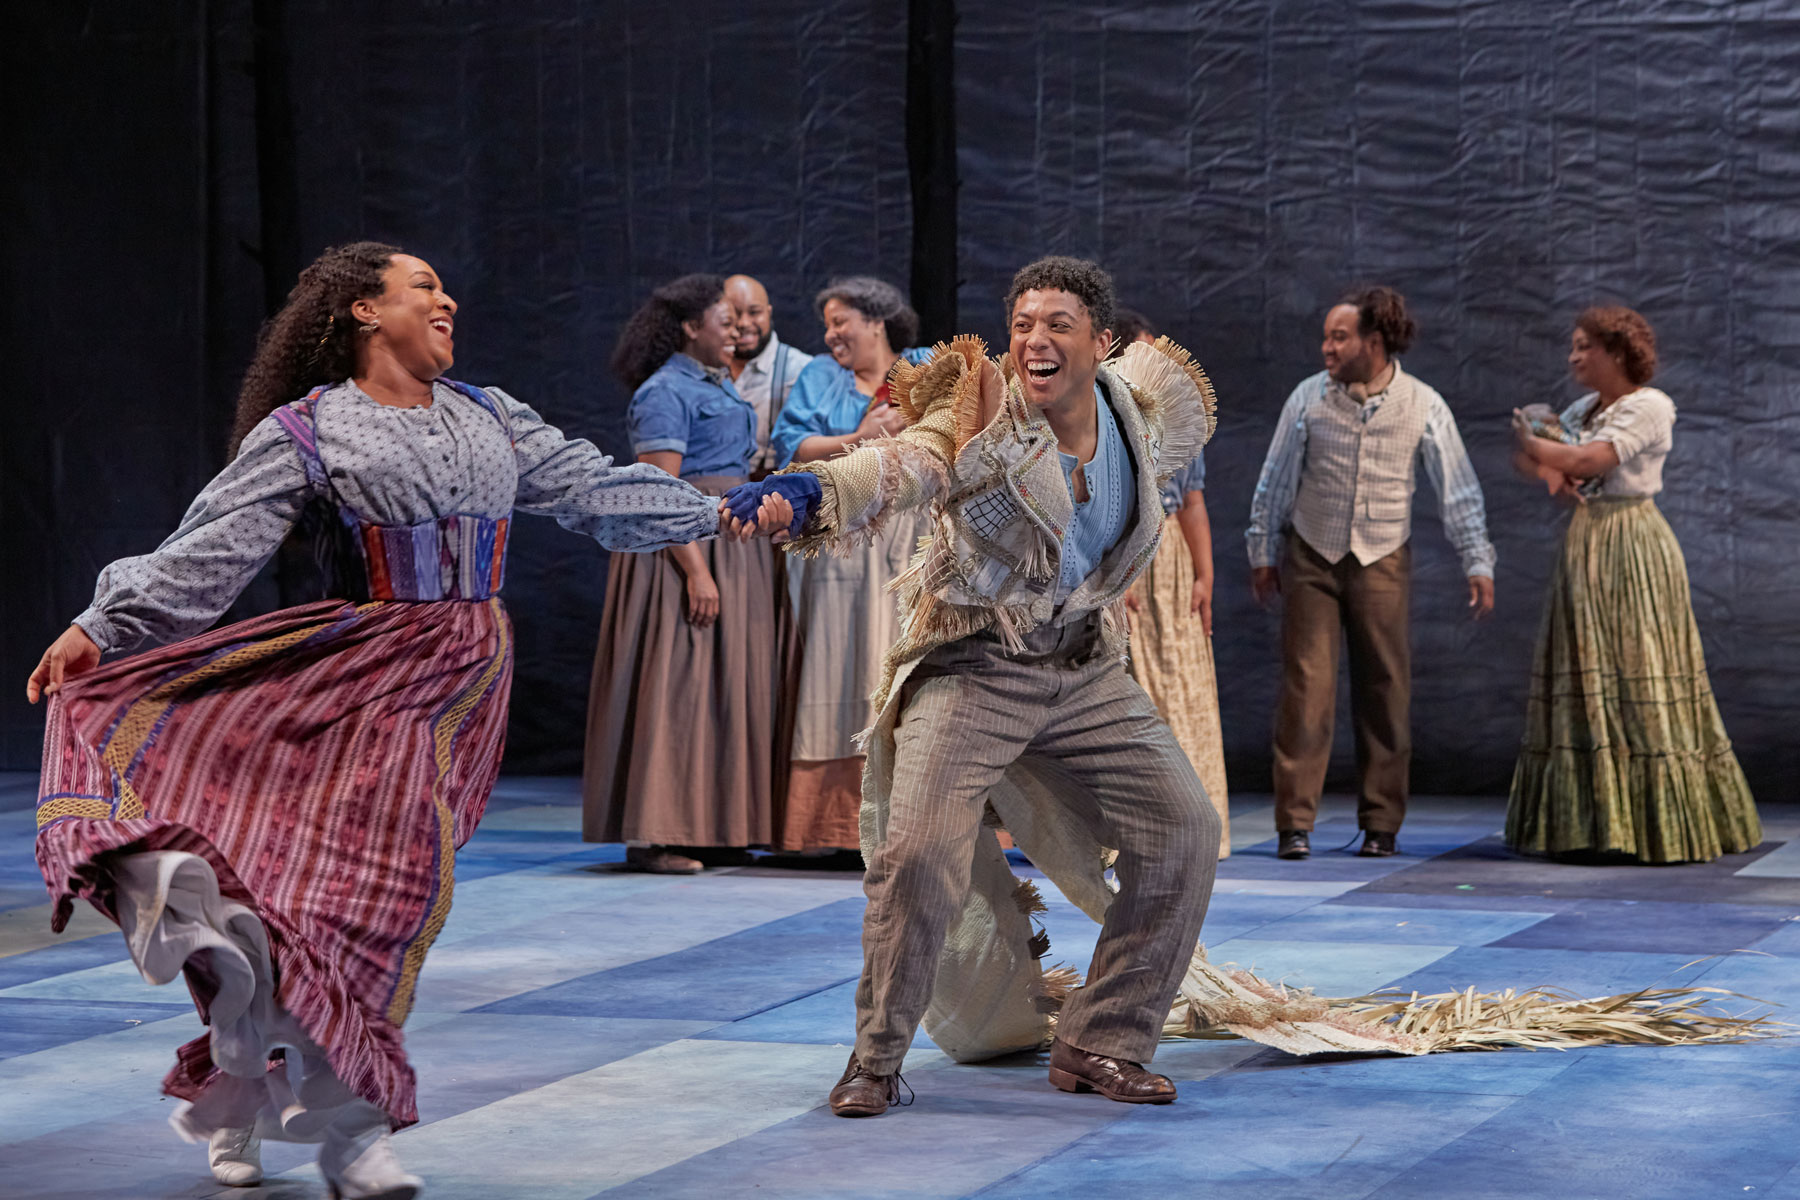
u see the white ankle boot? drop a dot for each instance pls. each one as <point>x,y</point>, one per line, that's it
<point>364,1168</point>
<point>235,1156</point>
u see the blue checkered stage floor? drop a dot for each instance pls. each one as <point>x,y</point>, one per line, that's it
<point>583,1031</point>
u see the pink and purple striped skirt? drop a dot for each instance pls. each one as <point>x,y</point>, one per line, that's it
<point>326,761</point>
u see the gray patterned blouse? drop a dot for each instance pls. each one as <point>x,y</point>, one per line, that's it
<point>393,466</point>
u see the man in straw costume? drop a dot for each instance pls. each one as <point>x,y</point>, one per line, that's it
<point>1007,693</point>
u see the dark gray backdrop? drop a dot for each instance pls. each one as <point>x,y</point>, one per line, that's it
<point>169,168</point>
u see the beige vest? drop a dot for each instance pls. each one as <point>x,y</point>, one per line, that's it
<point>1356,482</point>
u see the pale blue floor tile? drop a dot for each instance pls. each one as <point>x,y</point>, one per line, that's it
<point>1782,863</point>
<point>1512,1072</point>
<point>52,962</point>
<point>1726,1122</point>
<point>27,1026</point>
<point>1583,972</point>
<point>1454,927</point>
<point>970,1126</point>
<point>1250,1136</point>
<point>1329,968</point>
<point>826,1018</point>
<point>1785,940</point>
<point>720,980</point>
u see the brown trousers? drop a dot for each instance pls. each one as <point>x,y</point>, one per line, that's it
<point>1370,604</point>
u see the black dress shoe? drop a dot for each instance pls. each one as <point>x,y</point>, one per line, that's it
<point>861,1093</point>
<point>1377,845</point>
<point>1294,844</point>
<point>1075,1070</point>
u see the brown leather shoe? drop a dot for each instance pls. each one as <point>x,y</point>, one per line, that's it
<point>1075,1070</point>
<point>862,1094</point>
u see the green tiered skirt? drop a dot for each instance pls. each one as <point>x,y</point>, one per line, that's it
<point>1624,749</point>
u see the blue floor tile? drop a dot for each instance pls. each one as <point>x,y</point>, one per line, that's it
<point>1584,972</point>
<point>30,1025</point>
<point>1652,926</point>
<point>1221,1140</point>
<point>1332,923</point>
<point>33,965</point>
<point>1727,1114</point>
<point>720,980</point>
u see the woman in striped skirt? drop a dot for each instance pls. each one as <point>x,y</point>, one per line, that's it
<point>1624,749</point>
<point>272,808</point>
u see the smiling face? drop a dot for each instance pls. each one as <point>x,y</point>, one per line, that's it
<point>754,318</point>
<point>415,319</point>
<point>855,341</point>
<point>1350,356</point>
<point>710,337</point>
<point>1592,367</point>
<point>1055,348</point>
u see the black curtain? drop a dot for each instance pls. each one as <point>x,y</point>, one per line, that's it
<point>171,167</point>
<point>168,169</point>
<point>1237,164</point>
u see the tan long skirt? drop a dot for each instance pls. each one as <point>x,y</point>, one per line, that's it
<point>1624,748</point>
<point>1171,658</point>
<point>683,738</point>
<point>845,618</point>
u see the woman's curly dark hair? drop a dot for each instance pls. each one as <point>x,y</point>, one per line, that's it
<point>654,331</point>
<point>311,340</point>
<point>1383,310</point>
<point>1625,335</point>
<point>877,300</point>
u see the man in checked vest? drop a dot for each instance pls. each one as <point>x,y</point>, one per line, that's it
<point>762,365</point>
<point>1337,487</point>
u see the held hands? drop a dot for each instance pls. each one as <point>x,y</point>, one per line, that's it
<point>72,654</point>
<point>777,508</point>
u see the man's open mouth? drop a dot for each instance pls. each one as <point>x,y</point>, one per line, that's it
<point>1040,369</point>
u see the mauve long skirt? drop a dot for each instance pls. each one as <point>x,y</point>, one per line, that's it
<point>685,743</point>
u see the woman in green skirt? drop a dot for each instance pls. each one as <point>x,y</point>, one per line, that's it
<point>1624,750</point>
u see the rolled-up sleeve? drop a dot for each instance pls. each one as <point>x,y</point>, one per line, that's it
<point>636,507</point>
<point>807,411</point>
<point>658,419</point>
<point>1637,423</point>
<point>231,529</point>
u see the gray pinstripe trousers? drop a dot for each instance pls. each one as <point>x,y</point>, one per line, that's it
<point>969,711</point>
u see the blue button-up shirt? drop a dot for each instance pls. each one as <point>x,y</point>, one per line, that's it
<point>1191,478</point>
<point>696,413</point>
<point>1100,520</point>
<point>824,402</point>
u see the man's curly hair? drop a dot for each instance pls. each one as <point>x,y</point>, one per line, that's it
<point>1625,335</point>
<point>1383,310</point>
<point>1086,281</point>
<point>312,339</point>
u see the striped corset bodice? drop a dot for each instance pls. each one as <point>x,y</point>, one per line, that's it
<point>457,557</point>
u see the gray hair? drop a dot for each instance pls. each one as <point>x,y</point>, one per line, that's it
<point>877,300</point>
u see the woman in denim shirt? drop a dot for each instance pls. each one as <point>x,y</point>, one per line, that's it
<point>682,760</point>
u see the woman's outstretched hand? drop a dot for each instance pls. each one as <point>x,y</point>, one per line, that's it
<point>774,520</point>
<point>72,654</point>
